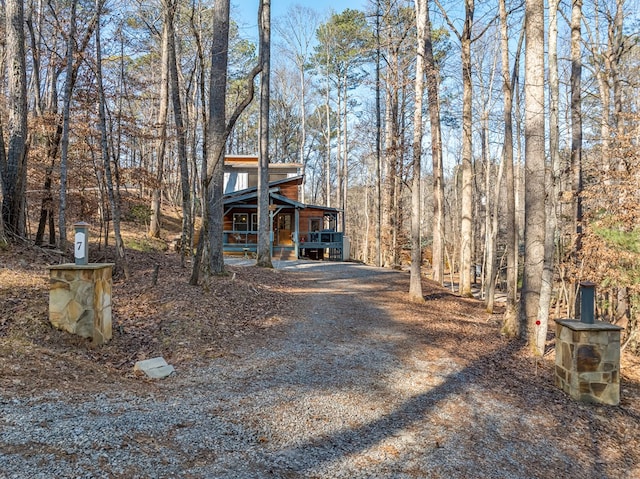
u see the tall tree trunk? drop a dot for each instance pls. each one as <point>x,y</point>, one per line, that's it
<point>264,223</point>
<point>492,243</point>
<point>327,106</point>
<point>546,289</point>
<point>218,130</point>
<point>46,208</point>
<point>3,153</point>
<point>466,220</point>
<point>202,241</point>
<point>511,325</point>
<point>339,146</point>
<point>327,159</point>
<point>187,225</point>
<point>303,131</point>
<point>216,137</point>
<point>415,283</point>
<point>155,222</point>
<point>114,201</point>
<point>345,160</point>
<point>492,208</point>
<point>617,49</point>
<point>3,236</point>
<point>433,83</point>
<point>576,135</point>
<point>378,144</point>
<point>534,201</point>
<point>15,168</point>
<point>3,163</point>
<point>391,160</point>
<point>64,141</point>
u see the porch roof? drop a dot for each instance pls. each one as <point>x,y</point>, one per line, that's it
<point>244,196</point>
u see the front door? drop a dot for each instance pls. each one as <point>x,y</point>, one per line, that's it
<point>284,228</point>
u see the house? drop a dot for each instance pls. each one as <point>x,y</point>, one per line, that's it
<point>297,230</point>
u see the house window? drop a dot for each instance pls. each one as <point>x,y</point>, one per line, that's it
<point>315,224</point>
<point>240,221</point>
<point>235,181</point>
<point>254,221</point>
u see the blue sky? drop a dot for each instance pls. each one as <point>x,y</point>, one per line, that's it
<point>246,11</point>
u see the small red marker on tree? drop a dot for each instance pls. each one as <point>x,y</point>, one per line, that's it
<point>538,323</point>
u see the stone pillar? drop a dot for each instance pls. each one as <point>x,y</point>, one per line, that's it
<point>80,299</point>
<point>588,361</point>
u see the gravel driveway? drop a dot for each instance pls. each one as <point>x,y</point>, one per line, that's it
<point>343,391</point>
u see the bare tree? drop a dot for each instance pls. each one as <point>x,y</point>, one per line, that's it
<point>15,168</point>
<point>415,284</point>
<point>490,201</point>
<point>552,172</point>
<point>34,23</point>
<point>264,223</point>
<point>298,28</point>
<point>216,139</point>
<point>54,141</point>
<point>466,212</point>
<point>64,141</point>
<point>3,236</point>
<point>3,163</point>
<point>218,130</point>
<point>466,197</point>
<point>511,326</point>
<point>176,103</point>
<point>156,193</point>
<point>534,200</point>
<point>114,200</point>
<point>378,143</point>
<point>576,118</point>
<point>396,26</point>
<point>433,84</point>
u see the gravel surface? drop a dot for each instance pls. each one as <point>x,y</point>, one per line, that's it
<point>343,391</point>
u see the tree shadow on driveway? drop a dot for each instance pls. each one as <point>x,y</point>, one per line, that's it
<point>467,403</point>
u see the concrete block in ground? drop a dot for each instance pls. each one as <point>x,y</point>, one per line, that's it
<point>155,368</point>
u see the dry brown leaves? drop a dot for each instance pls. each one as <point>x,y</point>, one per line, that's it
<point>182,323</point>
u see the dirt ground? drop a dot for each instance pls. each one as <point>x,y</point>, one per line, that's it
<point>189,325</point>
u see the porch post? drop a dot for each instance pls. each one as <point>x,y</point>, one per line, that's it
<point>296,233</point>
<point>271,214</point>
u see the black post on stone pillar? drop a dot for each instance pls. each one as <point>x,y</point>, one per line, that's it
<point>81,243</point>
<point>588,354</point>
<point>587,302</point>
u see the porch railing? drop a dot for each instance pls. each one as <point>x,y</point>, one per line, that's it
<point>240,240</point>
<point>332,241</point>
<point>321,239</point>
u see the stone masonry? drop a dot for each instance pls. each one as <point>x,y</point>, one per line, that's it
<point>80,299</point>
<point>588,361</point>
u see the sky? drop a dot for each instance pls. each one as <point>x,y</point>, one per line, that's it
<point>246,11</point>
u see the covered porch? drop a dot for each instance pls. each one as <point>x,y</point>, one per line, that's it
<point>297,230</point>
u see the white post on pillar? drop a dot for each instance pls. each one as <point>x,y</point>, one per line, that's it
<point>81,243</point>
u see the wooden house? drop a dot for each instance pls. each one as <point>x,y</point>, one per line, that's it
<point>297,230</point>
